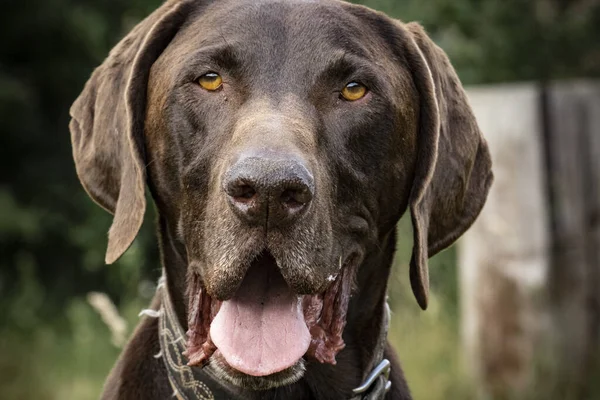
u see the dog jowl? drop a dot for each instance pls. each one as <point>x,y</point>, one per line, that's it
<point>281,142</point>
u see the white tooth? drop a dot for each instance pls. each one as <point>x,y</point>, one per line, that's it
<point>331,278</point>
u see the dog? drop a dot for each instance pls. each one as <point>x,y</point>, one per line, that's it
<point>281,142</point>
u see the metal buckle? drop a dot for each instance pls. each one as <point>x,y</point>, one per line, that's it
<point>383,369</point>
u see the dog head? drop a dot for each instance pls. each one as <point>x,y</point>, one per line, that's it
<point>282,141</point>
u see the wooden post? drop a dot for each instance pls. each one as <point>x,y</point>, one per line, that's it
<point>503,258</point>
<point>530,265</point>
<point>573,153</point>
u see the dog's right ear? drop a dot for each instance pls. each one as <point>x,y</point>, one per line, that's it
<point>108,121</point>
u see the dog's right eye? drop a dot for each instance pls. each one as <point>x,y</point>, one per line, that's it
<point>211,81</point>
<point>354,91</point>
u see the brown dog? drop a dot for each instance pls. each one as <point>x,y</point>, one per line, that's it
<point>281,142</point>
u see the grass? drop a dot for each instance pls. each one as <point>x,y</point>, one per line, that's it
<point>65,360</point>
<point>428,345</point>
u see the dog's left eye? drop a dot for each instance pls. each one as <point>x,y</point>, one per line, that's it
<point>354,91</point>
<point>211,81</point>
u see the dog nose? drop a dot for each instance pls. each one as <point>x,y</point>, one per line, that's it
<point>269,190</point>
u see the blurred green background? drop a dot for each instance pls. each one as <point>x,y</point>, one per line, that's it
<point>53,345</point>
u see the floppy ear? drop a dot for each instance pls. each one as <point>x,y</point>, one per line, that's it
<point>453,172</point>
<point>108,121</point>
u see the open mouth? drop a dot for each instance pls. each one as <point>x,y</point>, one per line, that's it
<point>266,330</point>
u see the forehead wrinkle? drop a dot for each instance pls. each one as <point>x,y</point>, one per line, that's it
<point>246,22</point>
<point>345,64</point>
<point>224,56</point>
<point>326,23</point>
<point>321,38</point>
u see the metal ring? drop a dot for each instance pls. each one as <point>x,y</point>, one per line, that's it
<point>383,368</point>
<point>388,386</point>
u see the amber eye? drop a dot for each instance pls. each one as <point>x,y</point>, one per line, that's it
<point>354,91</point>
<point>211,81</point>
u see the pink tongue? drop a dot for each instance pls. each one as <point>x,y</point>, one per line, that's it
<point>261,330</point>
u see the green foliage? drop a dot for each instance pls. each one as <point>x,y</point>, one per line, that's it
<point>509,40</point>
<point>66,361</point>
<point>47,51</point>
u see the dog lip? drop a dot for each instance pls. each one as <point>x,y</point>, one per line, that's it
<point>322,312</point>
<point>219,367</point>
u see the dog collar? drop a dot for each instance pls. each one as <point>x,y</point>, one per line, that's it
<point>377,380</point>
<point>188,383</point>
<point>194,383</point>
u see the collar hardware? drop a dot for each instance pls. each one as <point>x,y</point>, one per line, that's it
<point>382,370</point>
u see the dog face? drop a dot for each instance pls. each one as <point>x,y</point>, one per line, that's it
<point>276,155</point>
<point>281,142</point>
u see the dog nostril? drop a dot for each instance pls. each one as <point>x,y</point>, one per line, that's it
<point>287,197</point>
<point>295,197</point>
<point>246,192</point>
<point>241,192</point>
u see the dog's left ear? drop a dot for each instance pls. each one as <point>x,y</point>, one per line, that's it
<point>108,122</point>
<point>453,172</point>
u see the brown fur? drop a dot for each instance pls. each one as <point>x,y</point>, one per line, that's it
<point>412,142</point>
